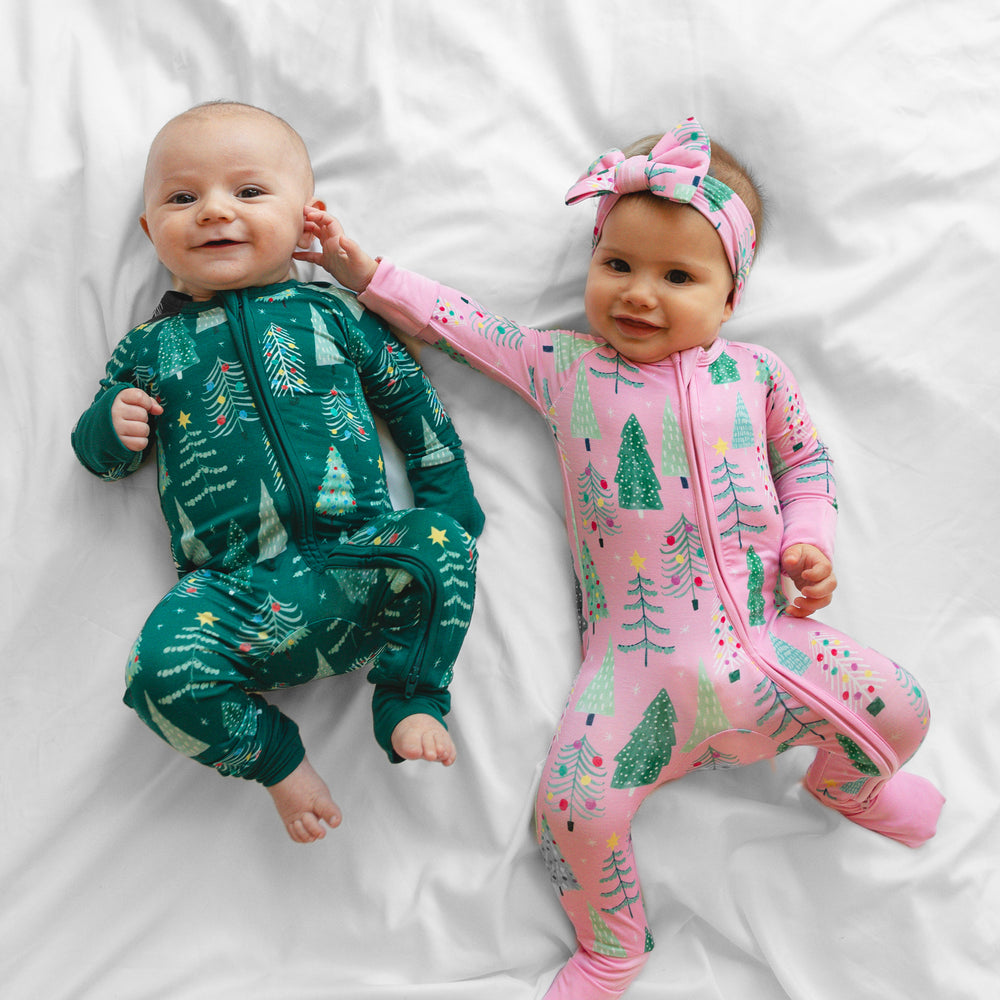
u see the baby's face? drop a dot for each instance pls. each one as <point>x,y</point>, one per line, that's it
<point>659,281</point>
<point>224,198</point>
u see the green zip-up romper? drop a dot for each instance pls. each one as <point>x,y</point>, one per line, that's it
<point>293,563</point>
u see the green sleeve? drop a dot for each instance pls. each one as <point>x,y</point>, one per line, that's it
<point>398,390</point>
<point>94,440</point>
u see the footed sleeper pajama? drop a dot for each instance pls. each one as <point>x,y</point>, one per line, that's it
<point>293,564</point>
<point>684,481</point>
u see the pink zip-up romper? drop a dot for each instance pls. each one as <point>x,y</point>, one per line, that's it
<point>684,481</point>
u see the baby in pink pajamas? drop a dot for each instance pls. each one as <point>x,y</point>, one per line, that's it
<point>693,480</point>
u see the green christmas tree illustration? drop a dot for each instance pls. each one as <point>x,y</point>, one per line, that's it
<point>650,746</point>
<point>641,588</point>
<point>336,493</point>
<point>568,349</point>
<point>605,942</point>
<point>596,504</point>
<point>583,420</point>
<point>715,760</point>
<point>576,782</point>
<point>790,657</point>
<point>556,865</point>
<point>498,329</point>
<point>593,592</point>
<point>823,466</point>
<point>786,716</point>
<point>617,369</point>
<point>176,350</point>
<point>674,457</point>
<point>775,461</point>
<point>685,568</point>
<point>638,487</point>
<point>237,559</point>
<point>755,586</point>
<point>743,436</point>
<point>599,696</point>
<point>857,756</point>
<point>711,718</point>
<point>621,880</point>
<point>728,476</point>
<point>723,369</point>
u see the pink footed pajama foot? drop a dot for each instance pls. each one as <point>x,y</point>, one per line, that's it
<point>906,809</point>
<point>589,976</point>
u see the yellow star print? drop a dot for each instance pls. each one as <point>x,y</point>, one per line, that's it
<point>184,419</point>
<point>721,447</point>
<point>207,618</point>
<point>438,536</point>
<point>613,841</point>
<point>638,561</point>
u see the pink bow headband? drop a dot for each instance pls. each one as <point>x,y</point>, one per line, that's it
<point>676,169</point>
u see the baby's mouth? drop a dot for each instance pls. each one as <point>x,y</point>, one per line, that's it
<point>633,325</point>
<point>220,243</point>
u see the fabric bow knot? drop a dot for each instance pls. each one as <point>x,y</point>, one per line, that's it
<point>676,169</point>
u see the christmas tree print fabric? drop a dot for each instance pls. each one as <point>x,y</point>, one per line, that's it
<point>683,482</point>
<point>293,563</point>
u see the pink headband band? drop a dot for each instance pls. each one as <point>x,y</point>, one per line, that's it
<point>676,169</point>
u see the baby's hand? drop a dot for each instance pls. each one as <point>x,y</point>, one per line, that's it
<point>341,256</point>
<point>813,576</point>
<point>130,417</point>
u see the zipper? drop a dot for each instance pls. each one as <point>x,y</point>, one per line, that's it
<point>877,748</point>
<point>303,512</point>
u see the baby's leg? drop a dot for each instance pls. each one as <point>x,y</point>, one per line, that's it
<point>422,737</point>
<point>303,801</point>
<point>584,830</point>
<point>187,683</point>
<point>887,714</point>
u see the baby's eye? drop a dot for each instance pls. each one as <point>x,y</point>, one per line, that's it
<point>678,277</point>
<point>181,198</point>
<point>250,192</point>
<point>617,264</point>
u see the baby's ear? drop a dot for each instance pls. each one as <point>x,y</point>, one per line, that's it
<point>144,225</point>
<point>305,240</point>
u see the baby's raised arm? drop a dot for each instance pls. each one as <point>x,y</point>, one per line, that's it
<point>130,417</point>
<point>341,256</point>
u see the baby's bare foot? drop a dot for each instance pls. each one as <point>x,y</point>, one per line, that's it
<point>422,737</point>
<point>303,801</point>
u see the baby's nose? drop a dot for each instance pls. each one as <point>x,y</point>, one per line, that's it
<point>215,206</point>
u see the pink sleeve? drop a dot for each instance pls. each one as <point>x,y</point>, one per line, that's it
<point>519,357</point>
<point>801,465</point>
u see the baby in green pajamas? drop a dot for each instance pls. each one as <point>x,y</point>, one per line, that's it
<point>259,392</point>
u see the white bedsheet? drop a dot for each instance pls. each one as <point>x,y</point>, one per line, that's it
<point>445,134</point>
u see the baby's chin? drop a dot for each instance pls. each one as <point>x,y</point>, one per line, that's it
<point>202,292</point>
